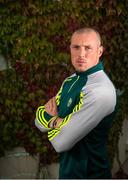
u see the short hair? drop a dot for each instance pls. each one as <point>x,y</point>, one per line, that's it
<point>88,30</point>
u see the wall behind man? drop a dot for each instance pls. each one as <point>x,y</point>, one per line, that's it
<point>35,38</point>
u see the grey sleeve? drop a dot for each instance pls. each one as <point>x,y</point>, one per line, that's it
<point>40,126</point>
<point>96,105</point>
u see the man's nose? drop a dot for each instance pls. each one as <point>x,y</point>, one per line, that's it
<point>82,52</point>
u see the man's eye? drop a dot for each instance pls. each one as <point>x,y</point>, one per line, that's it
<point>87,48</point>
<point>76,47</point>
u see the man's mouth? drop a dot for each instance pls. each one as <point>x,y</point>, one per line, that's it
<point>81,61</point>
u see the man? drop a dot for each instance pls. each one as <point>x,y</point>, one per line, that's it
<point>79,117</point>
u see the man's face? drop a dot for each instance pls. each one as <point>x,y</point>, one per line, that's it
<point>85,50</point>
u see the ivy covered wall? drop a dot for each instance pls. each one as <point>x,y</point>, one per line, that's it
<point>35,38</point>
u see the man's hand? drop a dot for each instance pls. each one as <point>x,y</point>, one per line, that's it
<point>58,122</point>
<point>51,107</point>
<point>55,123</point>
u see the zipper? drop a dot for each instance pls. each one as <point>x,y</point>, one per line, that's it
<point>74,83</point>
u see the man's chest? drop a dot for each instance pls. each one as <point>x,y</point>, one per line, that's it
<point>70,95</point>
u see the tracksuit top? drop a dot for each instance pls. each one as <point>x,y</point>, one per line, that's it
<point>86,102</point>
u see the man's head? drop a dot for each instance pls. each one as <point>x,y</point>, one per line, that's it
<point>86,48</point>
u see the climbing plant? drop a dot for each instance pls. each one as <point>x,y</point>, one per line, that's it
<point>34,39</point>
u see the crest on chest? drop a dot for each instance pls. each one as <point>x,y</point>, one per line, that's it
<point>69,102</point>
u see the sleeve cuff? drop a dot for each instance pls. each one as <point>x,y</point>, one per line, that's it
<point>47,116</point>
<point>43,117</point>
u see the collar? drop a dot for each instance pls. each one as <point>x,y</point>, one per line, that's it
<point>92,70</point>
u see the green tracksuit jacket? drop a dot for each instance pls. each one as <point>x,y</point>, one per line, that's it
<point>86,102</point>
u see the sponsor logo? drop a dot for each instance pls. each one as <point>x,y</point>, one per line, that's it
<point>69,102</point>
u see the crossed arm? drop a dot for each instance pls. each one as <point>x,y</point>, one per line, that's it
<point>51,108</point>
<point>65,133</point>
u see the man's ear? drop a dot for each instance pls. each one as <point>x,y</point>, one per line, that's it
<point>101,49</point>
